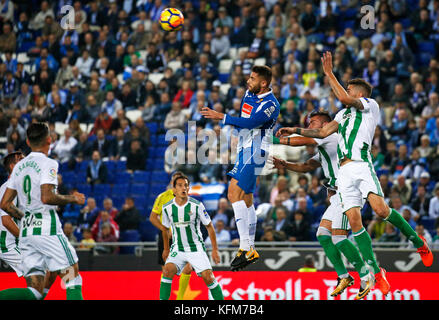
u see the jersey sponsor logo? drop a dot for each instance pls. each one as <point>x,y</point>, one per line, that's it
<point>345,116</point>
<point>246,110</point>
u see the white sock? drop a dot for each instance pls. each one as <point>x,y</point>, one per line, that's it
<point>252,221</point>
<point>241,219</point>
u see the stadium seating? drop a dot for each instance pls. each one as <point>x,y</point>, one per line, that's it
<point>129,236</point>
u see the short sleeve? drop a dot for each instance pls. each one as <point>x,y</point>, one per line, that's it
<point>49,173</point>
<point>165,219</point>
<point>157,207</point>
<point>11,182</point>
<point>204,216</point>
<point>369,105</point>
<point>339,116</point>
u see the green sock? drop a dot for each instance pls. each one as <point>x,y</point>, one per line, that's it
<point>17,294</point>
<point>398,221</point>
<point>365,245</point>
<point>353,255</point>
<point>215,290</point>
<point>165,288</point>
<point>333,254</point>
<point>74,293</point>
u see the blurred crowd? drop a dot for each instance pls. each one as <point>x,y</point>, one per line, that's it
<point>112,75</point>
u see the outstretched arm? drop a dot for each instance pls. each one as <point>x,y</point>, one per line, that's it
<point>338,89</point>
<point>48,196</point>
<point>319,133</point>
<point>308,166</point>
<point>253,122</point>
<point>295,141</point>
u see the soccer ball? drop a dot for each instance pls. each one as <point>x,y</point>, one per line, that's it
<point>171,19</point>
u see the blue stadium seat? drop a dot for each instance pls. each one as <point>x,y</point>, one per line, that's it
<point>159,164</point>
<point>153,139</point>
<point>428,223</point>
<point>122,177</point>
<point>121,165</point>
<point>103,189</point>
<point>118,201</point>
<point>140,200</point>
<point>223,77</point>
<point>84,188</point>
<point>141,176</point>
<point>69,177</point>
<point>160,152</point>
<point>318,212</point>
<point>234,234</point>
<point>139,189</point>
<point>160,176</point>
<point>81,166</point>
<point>111,165</point>
<point>81,177</point>
<point>147,231</point>
<point>153,127</point>
<point>120,189</point>
<point>382,171</point>
<point>427,47</point>
<point>63,167</point>
<point>129,236</point>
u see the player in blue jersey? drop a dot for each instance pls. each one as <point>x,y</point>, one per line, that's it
<point>258,115</point>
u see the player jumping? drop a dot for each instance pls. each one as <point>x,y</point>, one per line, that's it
<point>42,242</point>
<point>357,179</point>
<point>333,218</point>
<point>259,112</point>
<point>184,214</point>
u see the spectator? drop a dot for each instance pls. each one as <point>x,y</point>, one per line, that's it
<point>433,211</point>
<point>300,229</point>
<point>97,171</point>
<point>421,202</point>
<point>102,218</point>
<point>223,213</point>
<point>108,206</point>
<point>65,146</point>
<point>129,217</point>
<point>8,40</point>
<point>87,241</point>
<point>111,104</point>
<point>88,214</point>
<point>106,235</point>
<point>103,145</point>
<point>390,235</point>
<point>222,235</point>
<point>136,157</point>
<point>68,231</point>
<point>402,188</point>
<point>175,119</point>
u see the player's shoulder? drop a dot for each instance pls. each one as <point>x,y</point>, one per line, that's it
<point>194,201</point>
<point>168,203</point>
<point>369,102</point>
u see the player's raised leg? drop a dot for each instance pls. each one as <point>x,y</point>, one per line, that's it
<point>381,208</point>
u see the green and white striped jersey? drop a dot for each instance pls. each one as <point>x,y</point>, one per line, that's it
<point>26,178</point>
<point>185,221</point>
<point>328,158</point>
<point>7,239</point>
<point>356,129</point>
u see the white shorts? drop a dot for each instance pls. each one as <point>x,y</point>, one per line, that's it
<point>13,259</point>
<point>41,253</point>
<point>355,181</point>
<point>198,260</point>
<point>335,214</point>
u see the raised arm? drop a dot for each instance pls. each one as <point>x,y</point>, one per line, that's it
<point>338,89</point>
<point>7,204</point>
<point>48,196</point>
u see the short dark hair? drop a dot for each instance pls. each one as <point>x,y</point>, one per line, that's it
<point>10,159</point>
<point>37,132</point>
<point>180,177</point>
<point>264,72</point>
<point>365,86</point>
<point>321,112</point>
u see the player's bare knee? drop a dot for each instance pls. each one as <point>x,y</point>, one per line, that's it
<point>381,209</point>
<point>208,277</point>
<point>36,282</point>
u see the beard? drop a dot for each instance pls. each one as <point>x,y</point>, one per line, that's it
<point>255,89</point>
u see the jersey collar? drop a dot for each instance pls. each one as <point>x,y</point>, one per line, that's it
<point>263,95</point>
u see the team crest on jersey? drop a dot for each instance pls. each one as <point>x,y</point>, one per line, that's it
<point>246,110</point>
